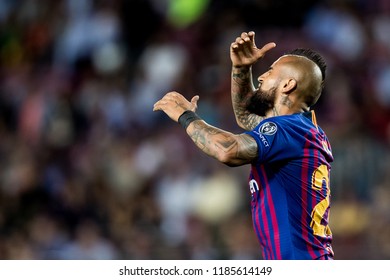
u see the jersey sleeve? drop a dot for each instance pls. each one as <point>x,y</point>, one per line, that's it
<point>274,141</point>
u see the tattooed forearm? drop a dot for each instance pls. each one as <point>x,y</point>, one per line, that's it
<point>210,141</point>
<point>242,89</point>
<point>242,77</point>
<point>242,83</point>
<point>250,121</point>
<point>224,146</point>
<point>245,119</point>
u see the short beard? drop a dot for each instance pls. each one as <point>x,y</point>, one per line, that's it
<point>261,101</point>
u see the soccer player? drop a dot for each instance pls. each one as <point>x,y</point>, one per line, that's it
<point>289,154</point>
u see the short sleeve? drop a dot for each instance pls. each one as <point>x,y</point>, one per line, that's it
<point>274,141</point>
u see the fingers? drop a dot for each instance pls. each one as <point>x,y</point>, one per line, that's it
<point>244,42</point>
<point>157,105</point>
<point>194,103</point>
<point>174,100</point>
<point>161,104</point>
<point>195,99</point>
<point>268,47</point>
<point>251,35</point>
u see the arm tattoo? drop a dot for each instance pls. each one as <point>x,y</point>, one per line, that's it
<point>241,91</point>
<point>247,120</point>
<point>222,145</point>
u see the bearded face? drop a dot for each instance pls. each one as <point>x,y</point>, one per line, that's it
<point>262,101</point>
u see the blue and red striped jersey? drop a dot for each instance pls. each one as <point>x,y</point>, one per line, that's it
<point>290,190</point>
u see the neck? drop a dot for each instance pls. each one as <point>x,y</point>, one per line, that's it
<point>283,110</point>
<point>275,111</point>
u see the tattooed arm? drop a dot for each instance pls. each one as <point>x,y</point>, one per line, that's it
<point>243,54</point>
<point>242,89</point>
<point>228,148</point>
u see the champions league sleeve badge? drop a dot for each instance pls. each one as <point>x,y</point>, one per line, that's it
<point>268,128</point>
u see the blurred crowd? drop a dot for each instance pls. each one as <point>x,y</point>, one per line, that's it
<point>89,171</point>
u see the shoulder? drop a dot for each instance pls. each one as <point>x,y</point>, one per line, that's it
<point>271,125</point>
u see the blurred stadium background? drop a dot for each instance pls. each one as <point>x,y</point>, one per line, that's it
<point>88,171</point>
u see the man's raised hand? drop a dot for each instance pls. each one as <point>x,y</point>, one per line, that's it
<point>174,104</point>
<point>243,51</point>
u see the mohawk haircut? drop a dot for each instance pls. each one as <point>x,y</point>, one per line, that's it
<point>313,56</point>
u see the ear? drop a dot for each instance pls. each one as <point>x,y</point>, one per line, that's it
<point>289,86</point>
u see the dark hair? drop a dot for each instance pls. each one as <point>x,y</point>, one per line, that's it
<point>313,56</point>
